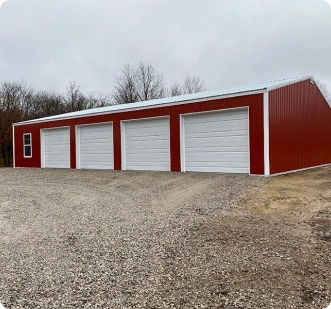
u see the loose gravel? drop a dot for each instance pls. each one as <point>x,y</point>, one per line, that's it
<point>109,239</point>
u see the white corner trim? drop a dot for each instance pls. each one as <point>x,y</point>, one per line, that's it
<point>77,144</point>
<point>123,150</point>
<point>182,143</point>
<point>13,139</point>
<point>266,133</point>
<point>42,149</point>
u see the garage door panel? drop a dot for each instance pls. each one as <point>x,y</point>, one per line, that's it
<point>216,157</point>
<point>216,134</point>
<point>101,150</point>
<point>96,166</point>
<point>152,132</point>
<point>219,149</point>
<point>155,144</point>
<point>217,142</point>
<point>96,146</point>
<point>212,126</point>
<point>57,148</point>
<point>58,157</point>
<point>59,154</point>
<point>146,123</point>
<point>152,151</point>
<point>101,160</point>
<point>137,157</point>
<point>144,131</point>
<point>147,144</point>
<point>219,169</point>
<point>96,139</point>
<point>90,147</point>
<point>102,135</point>
<point>61,133</point>
<point>211,117</point>
<point>95,129</point>
<point>91,157</point>
<point>147,166</point>
<point>57,140</point>
<point>100,164</point>
<point>218,164</point>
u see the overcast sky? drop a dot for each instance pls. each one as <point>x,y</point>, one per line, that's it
<point>226,42</point>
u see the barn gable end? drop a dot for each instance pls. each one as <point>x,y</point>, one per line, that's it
<point>299,127</point>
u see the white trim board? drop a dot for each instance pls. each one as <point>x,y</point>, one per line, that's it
<point>13,148</point>
<point>266,133</point>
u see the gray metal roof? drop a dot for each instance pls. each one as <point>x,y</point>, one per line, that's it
<point>187,98</point>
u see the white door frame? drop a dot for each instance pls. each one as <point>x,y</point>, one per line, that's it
<point>77,139</point>
<point>42,144</point>
<point>182,132</point>
<point>123,149</point>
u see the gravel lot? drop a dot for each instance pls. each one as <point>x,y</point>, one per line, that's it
<point>107,239</point>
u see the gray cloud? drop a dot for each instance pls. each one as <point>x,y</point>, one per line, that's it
<point>51,42</point>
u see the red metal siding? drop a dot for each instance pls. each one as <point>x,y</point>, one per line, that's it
<point>72,147</point>
<point>300,128</point>
<point>254,102</point>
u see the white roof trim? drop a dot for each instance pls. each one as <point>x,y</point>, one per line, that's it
<point>188,98</point>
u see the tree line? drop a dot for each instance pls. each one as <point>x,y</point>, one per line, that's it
<point>140,82</point>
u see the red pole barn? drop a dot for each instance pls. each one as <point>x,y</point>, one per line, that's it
<point>262,129</point>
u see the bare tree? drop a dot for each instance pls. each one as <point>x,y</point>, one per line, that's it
<point>190,84</point>
<point>138,83</point>
<point>98,99</point>
<point>193,84</point>
<point>74,99</point>
<point>150,84</point>
<point>47,104</point>
<point>175,90</point>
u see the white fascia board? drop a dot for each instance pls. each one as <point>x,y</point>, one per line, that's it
<point>318,87</point>
<point>266,133</point>
<point>294,81</point>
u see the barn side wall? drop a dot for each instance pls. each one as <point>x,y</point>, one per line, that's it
<point>253,102</point>
<point>299,128</point>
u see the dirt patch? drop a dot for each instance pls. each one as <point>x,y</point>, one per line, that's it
<point>296,198</point>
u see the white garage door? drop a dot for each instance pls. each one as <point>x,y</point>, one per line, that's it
<point>95,146</point>
<point>216,142</point>
<point>146,144</point>
<point>56,148</point>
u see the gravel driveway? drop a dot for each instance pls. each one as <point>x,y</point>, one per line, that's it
<point>107,239</point>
